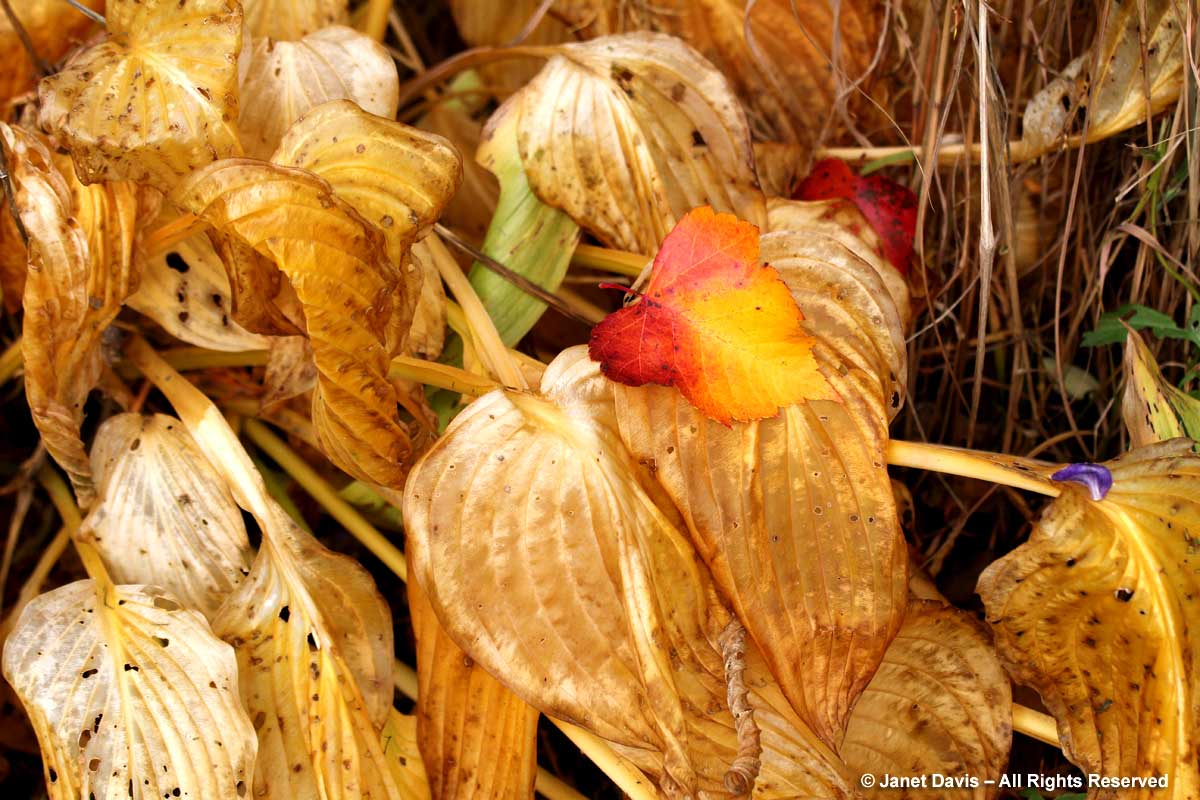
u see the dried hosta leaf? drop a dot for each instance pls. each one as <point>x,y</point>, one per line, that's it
<point>403,755</point>
<point>164,515</point>
<point>1097,612</point>
<point>549,564</point>
<point>283,80</point>
<point>526,235</point>
<point>263,300</point>
<point>291,19</point>
<point>336,263</point>
<point>53,27</point>
<point>14,260</point>
<point>1153,409</point>
<point>1116,97</point>
<point>131,695</point>
<point>470,212</point>
<point>939,704</point>
<point>716,323</point>
<point>397,177</point>
<point>427,333</point>
<point>481,23</point>
<point>477,738</point>
<point>290,370</point>
<point>803,496</point>
<point>313,639</point>
<point>628,133</point>
<point>154,100</point>
<point>186,291</point>
<point>81,270</point>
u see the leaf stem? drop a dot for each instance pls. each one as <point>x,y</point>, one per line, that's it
<point>72,519</point>
<point>320,490</point>
<point>625,775</point>
<point>609,260</point>
<point>1035,725</point>
<point>164,237</point>
<point>442,376</point>
<point>1020,473</point>
<point>375,18</point>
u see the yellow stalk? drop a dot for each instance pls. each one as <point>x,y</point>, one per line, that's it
<point>625,775</point>
<point>404,678</point>
<point>441,376</point>
<point>491,348</point>
<point>374,19</point>
<point>186,359</point>
<point>973,464</point>
<point>10,361</point>
<point>606,260</point>
<point>1035,725</point>
<point>324,494</point>
<point>72,519</point>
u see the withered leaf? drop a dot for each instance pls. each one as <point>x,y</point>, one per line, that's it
<point>337,265</point>
<point>940,703</point>
<point>628,133</point>
<point>81,270</point>
<point>154,100</point>
<point>477,738</point>
<point>1152,408</point>
<point>53,28</point>
<point>164,515</point>
<point>125,687</point>
<point>1096,612</point>
<point>283,80</point>
<point>546,560</point>
<point>292,19</point>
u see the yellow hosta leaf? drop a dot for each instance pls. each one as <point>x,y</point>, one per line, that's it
<point>186,291</point>
<point>939,704</point>
<point>546,560</point>
<point>290,370</point>
<point>804,496</point>
<point>164,516</point>
<point>1152,408</point>
<point>283,80</point>
<point>312,635</point>
<point>263,300</point>
<point>157,98</point>
<point>1097,612</point>
<point>1116,97</point>
<point>398,178</point>
<point>292,19</point>
<point>404,756</point>
<point>336,263</point>
<point>126,688</point>
<point>54,28</point>
<point>478,739</point>
<point>628,133</point>
<point>81,270</point>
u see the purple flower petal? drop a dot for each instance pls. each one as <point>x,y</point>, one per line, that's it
<point>1095,477</point>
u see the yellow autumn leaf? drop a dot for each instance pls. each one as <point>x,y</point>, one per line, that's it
<point>289,20</point>
<point>552,567</point>
<point>282,80</point>
<point>404,756</point>
<point>53,27</point>
<point>157,98</point>
<point>804,496</point>
<point>337,265</point>
<point>80,251</point>
<point>1097,613</point>
<point>1153,409</point>
<point>125,687</point>
<point>164,516</point>
<point>477,738</point>
<point>312,635</point>
<point>940,704</point>
<point>628,133</point>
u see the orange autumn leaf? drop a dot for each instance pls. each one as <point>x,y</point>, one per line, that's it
<point>716,324</point>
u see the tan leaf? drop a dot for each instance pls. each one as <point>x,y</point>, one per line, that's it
<point>262,298</point>
<point>292,19</point>
<point>80,250</point>
<point>628,133</point>
<point>477,738</point>
<point>164,516</point>
<point>53,27</point>
<point>283,80</point>
<point>940,704</point>
<point>336,263</point>
<point>1153,409</point>
<point>127,688</point>
<point>1116,97</point>
<point>427,334</point>
<point>482,23</point>
<point>551,566</point>
<point>186,291</point>
<point>154,100</point>
<point>1096,611</point>
<point>313,639</point>
<point>805,496</point>
<point>290,370</point>
<point>397,177</point>
<point>470,211</point>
